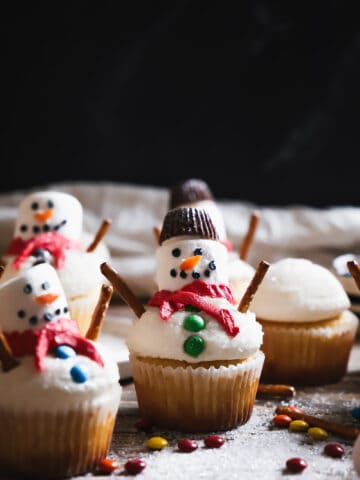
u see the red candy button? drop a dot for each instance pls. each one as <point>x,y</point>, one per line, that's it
<point>214,441</point>
<point>108,465</point>
<point>135,466</point>
<point>187,445</point>
<point>296,464</point>
<point>282,420</point>
<point>334,450</point>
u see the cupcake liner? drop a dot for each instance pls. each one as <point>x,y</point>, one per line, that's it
<point>314,353</point>
<point>56,444</point>
<point>193,398</point>
<point>82,308</point>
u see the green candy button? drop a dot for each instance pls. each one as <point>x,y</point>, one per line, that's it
<point>194,323</point>
<point>190,308</point>
<point>194,345</point>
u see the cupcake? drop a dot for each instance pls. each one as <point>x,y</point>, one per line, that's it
<point>196,193</point>
<point>59,392</point>
<point>341,270</point>
<point>196,360</point>
<point>48,228</point>
<point>308,328</point>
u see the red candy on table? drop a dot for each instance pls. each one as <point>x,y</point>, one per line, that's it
<point>214,441</point>
<point>334,450</point>
<point>296,464</point>
<point>187,445</point>
<point>135,466</point>
<point>282,420</point>
<point>108,465</point>
<point>295,409</point>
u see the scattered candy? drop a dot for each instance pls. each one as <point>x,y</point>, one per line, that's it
<point>135,466</point>
<point>298,426</point>
<point>194,345</point>
<point>157,443</point>
<point>318,433</point>
<point>108,465</point>
<point>334,450</point>
<point>214,441</point>
<point>355,412</point>
<point>143,425</point>
<point>64,351</point>
<point>78,374</point>
<point>295,409</point>
<point>187,445</point>
<point>296,464</point>
<point>194,323</point>
<point>282,420</point>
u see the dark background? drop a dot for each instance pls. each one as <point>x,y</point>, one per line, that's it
<point>259,98</point>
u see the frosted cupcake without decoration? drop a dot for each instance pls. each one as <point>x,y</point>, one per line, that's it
<point>308,328</point>
<point>58,405</point>
<point>48,229</point>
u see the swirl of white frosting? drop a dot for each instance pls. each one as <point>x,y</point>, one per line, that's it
<point>239,269</point>
<point>298,290</point>
<point>53,389</point>
<point>150,336</point>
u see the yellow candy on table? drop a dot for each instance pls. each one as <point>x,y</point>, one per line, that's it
<point>156,443</point>
<point>298,426</point>
<point>318,433</point>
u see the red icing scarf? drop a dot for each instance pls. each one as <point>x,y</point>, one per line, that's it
<point>54,242</point>
<point>39,342</point>
<point>192,294</point>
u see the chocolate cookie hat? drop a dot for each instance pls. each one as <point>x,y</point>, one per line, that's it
<point>189,191</point>
<point>188,221</point>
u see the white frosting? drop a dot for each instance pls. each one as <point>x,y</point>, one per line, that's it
<point>53,389</point>
<point>50,210</point>
<point>213,262</point>
<point>32,294</point>
<point>356,455</point>
<point>150,336</point>
<point>344,276</point>
<point>239,269</point>
<point>297,290</point>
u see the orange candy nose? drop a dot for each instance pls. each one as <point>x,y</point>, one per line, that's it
<point>190,262</point>
<point>44,215</point>
<point>47,298</point>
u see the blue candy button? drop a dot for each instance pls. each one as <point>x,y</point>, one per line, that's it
<point>78,374</point>
<point>64,351</point>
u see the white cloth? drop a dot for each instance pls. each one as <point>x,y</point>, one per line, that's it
<point>297,231</point>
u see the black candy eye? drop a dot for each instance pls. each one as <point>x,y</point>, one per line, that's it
<point>23,228</point>
<point>48,317</point>
<point>183,274</point>
<point>176,252</point>
<point>50,204</point>
<point>57,311</point>
<point>195,275</point>
<point>33,320</point>
<point>21,313</point>
<point>36,229</point>
<point>45,286</point>
<point>34,206</point>
<point>198,251</point>
<point>212,265</point>
<point>207,273</point>
<point>28,288</point>
<point>173,272</point>
<point>66,309</point>
<point>46,228</point>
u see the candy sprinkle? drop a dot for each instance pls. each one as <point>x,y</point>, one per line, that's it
<point>214,441</point>
<point>157,443</point>
<point>298,426</point>
<point>334,450</point>
<point>135,466</point>
<point>296,464</point>
<point>78,374</point>
<point>318,433</point>
<point>64,351</point>
<point>108,465</point>
<point>187,445</point>
<point>282,420</point>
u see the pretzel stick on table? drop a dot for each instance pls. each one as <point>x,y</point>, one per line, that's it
<point>100,234</point>
<point>337,428</point>
<point>99,313</point>
<point>268,390</point>
<point>253,286</point>
<point>122,288</point>
<point>249,237</point>
<point>354,269</point>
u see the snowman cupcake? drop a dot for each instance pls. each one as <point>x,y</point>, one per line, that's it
<point>196,193</point>
<point>195,358</point>
<point>308,328</point>
<point>60,395</point>
<point>48,228</point>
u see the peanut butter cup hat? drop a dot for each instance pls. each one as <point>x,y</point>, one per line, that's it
<point>189,191</point>
<point>189,222</point>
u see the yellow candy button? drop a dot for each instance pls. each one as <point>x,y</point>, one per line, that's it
<point>318,433</point>
<point>156,443</point>
<point>298,426</point>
